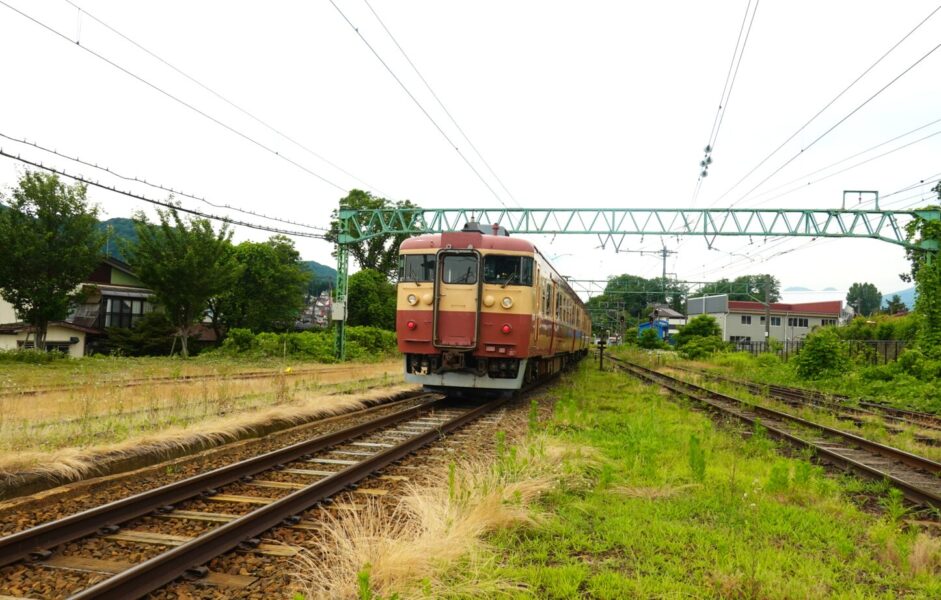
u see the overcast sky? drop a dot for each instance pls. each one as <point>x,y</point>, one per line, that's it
<point>572,104</point>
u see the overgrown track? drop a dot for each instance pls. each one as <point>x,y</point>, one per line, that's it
<point>357,452</point>
<point>170,380</point>
<point>836,402</point>
<point>917,477</point>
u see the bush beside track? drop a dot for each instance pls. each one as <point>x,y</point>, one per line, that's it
<point>364,344</point>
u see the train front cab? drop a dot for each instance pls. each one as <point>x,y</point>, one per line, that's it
<point>465,317</point>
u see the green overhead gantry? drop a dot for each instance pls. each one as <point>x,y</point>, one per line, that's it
<point>613,225</point>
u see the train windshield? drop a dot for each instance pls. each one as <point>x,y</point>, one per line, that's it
<point>508,270</point>
<point>417,267</point>
<point>459,268</point>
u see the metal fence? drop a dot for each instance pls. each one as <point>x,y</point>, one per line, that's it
<point>874,352</point>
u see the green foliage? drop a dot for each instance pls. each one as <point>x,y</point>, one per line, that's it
<point>30,356</point>
<point>363,344</point>
<point>702,326</point>
<point>697,459</point>
<point>186,264</point>
<point>50,245</point>
<point>745,287</point>
<point>881,327</point>
<point>864,297</point>
<point>702,347</point>
<point>151,335</point>
<point>779,478</point>
<point>371,300</point>
<point>823,353</point>
<point>920,230</point>
<point>381,252</point>
<point>928,307</point>
<point>649,339</point>
<point>269,292</point>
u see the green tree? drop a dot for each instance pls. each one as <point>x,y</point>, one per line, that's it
<point>703,326</point>
<point>895,305</point>
<point>649,339</point>
<point>746,287</point>
<point>49,243</point>
<point>823,353</point>
<point>864,297</point>
<point>382,251</point>
<point>186,264</point>
<point>270,289</point>
<point>371,300</point>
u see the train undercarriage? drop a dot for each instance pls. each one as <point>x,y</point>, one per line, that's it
<point>452,371</point>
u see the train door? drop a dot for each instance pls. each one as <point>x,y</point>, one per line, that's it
<point>457,299</point>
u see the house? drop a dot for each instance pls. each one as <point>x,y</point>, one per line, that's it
<point>113,296</point>
<point>674,319</point>
<point>661,326</point>
<point>744,321</point>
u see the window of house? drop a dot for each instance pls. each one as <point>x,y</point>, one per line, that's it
<point>746,319</point>
<point>797,322</point>
<point>828,321</point>
<point>508,270</point>
<point>123,312</point>
<point>739,339</point>
<point>417,267</point>
<point>459,268</point>
<point>775,321</point>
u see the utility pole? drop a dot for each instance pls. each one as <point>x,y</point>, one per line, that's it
<point>767,311</point>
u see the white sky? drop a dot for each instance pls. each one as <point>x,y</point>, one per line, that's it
<point>578,104</point>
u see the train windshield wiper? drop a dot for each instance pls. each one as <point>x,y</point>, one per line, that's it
<point>508,280</point>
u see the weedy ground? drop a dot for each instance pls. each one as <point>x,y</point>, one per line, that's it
<point>676,506</point>
<point>103,413</point>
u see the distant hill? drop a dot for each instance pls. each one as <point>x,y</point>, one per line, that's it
<point>796,288</point>
<point>907,295</point>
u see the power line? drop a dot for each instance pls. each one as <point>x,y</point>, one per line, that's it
<point>159,186</point>
<point>417,103</point>
<point>175,98</point>
<point>738,64</point>
<point>838,123</point>
<point>440,103</point>
<point>220,96</point>
<point>828,105</point>
<point>170,205</point>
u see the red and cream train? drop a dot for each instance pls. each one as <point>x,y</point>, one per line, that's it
<point>479,309</point>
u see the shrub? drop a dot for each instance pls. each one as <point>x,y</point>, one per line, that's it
<point>649,339</point>
<point>363,343</point>
<point>703,326</point>
<point>701,347</point>
<point>152,335</point>
<point>823,353</point>
<point>241,339</point>
<point>31,356</point>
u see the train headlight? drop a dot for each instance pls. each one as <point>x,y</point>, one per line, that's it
<point>507,302</point>
<point>411,325</point>
<point>412,299</point>
<point>427,298</point>
<point>488,300</point>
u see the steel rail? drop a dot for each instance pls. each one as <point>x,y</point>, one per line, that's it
<point>920,466</point>
<point>918,419</point>
<point>164,568</point>
<point>43,537</point>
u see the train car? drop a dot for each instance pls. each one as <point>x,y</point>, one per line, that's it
<point>478,309</point>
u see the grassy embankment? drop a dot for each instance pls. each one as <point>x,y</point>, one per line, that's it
<point>98,408</point>
<point>666,505</point>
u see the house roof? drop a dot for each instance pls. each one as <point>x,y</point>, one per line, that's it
<point>831,307</point>
<point>668,313</point>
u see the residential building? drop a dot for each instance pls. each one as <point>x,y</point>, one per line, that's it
<point>744,321</point>
<point>674,319</point>
<point>113,296</point>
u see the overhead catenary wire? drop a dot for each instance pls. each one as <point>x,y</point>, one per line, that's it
<point>170,205</point>
<point>417,103</point>
<point>218,95</point>
<point>159,186</point>
<point>826,106</point>
<point>176,98</point>
<point>441,103</point>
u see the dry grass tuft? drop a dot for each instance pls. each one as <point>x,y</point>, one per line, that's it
<point>402,549</point>
<point>925,558</point>
<point>72,464</point>
<point>654,493</point>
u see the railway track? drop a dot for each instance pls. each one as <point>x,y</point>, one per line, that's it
<point>918,478</point>
<point>836,402</point>
<point>291,480</point>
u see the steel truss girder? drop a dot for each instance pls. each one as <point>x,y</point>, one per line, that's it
<point>613,224</point>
